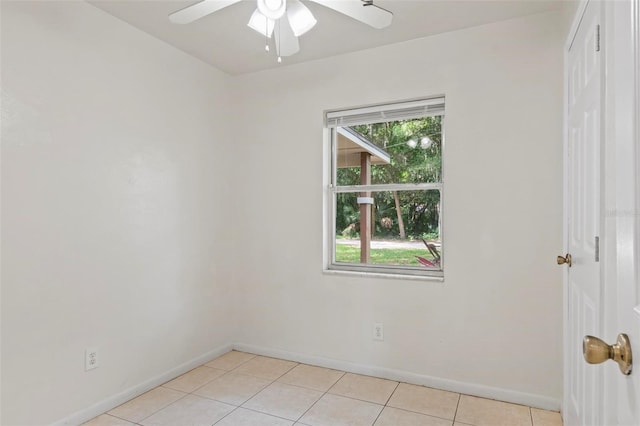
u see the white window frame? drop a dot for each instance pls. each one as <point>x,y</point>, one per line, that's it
<point>406,110</point>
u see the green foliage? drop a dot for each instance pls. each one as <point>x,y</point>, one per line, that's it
<point>347,214</point>
<point>412,161</point>
<point>386,256</point>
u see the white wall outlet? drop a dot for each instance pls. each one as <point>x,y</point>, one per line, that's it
<point>378,331</point>
<point>91,359</point>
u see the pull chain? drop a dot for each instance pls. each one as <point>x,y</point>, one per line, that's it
<point>279,44</point>
<point>266,34</point>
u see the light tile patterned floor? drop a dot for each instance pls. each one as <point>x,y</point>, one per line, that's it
<point>241,389</point>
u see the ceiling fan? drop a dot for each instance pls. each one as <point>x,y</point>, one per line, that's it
<point>287,20</point>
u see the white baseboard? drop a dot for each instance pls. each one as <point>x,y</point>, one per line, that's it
<point>532,400</point>
<point>483,391</point>
<point>105,405</point>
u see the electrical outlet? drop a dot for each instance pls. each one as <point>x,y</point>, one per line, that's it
<point>91,359</point>
<point>378,331</point>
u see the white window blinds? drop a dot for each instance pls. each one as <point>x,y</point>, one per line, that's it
<point>390,112</point>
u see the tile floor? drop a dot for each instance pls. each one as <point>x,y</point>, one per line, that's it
<point>242,389</point>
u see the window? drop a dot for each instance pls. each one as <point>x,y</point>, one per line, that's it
<point>384,195</point>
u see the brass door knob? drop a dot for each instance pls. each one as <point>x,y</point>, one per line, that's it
<point>596,351</point>
<point>564,259</point>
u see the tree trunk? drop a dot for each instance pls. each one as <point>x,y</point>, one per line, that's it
<point>373,220</point>
<point>399,213</point>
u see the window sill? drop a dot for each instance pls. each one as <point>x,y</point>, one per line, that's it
<point>383,275</point>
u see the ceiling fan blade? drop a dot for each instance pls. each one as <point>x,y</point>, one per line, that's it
<point>286,42</point>
<point>300,17</point>
<point>371,15</point>
<point>199,10</point>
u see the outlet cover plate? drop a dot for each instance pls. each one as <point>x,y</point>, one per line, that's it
<point>91,359</point>
<point>378,331</point>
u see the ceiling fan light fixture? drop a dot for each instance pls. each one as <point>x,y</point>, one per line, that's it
<point>261,23</point>
<point>272,9</point>
<point>300,17</point>
<point>293,20</point>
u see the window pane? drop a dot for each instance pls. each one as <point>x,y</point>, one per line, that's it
<point>407,151</point>
<point>404,228</point>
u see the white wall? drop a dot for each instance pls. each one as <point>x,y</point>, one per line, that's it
<point>113,208</point>
<point>496,320</point>
<point>138,217</point>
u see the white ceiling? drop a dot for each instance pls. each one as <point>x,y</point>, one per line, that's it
<point>223,39</point>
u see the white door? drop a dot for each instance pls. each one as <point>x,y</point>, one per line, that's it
<point>603,201</point>
<point>583,398</point>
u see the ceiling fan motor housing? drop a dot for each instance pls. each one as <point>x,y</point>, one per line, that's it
<point>272,9</point>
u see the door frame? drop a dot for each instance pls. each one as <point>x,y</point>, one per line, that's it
<point>577,19</point>
<point>622,170</point>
